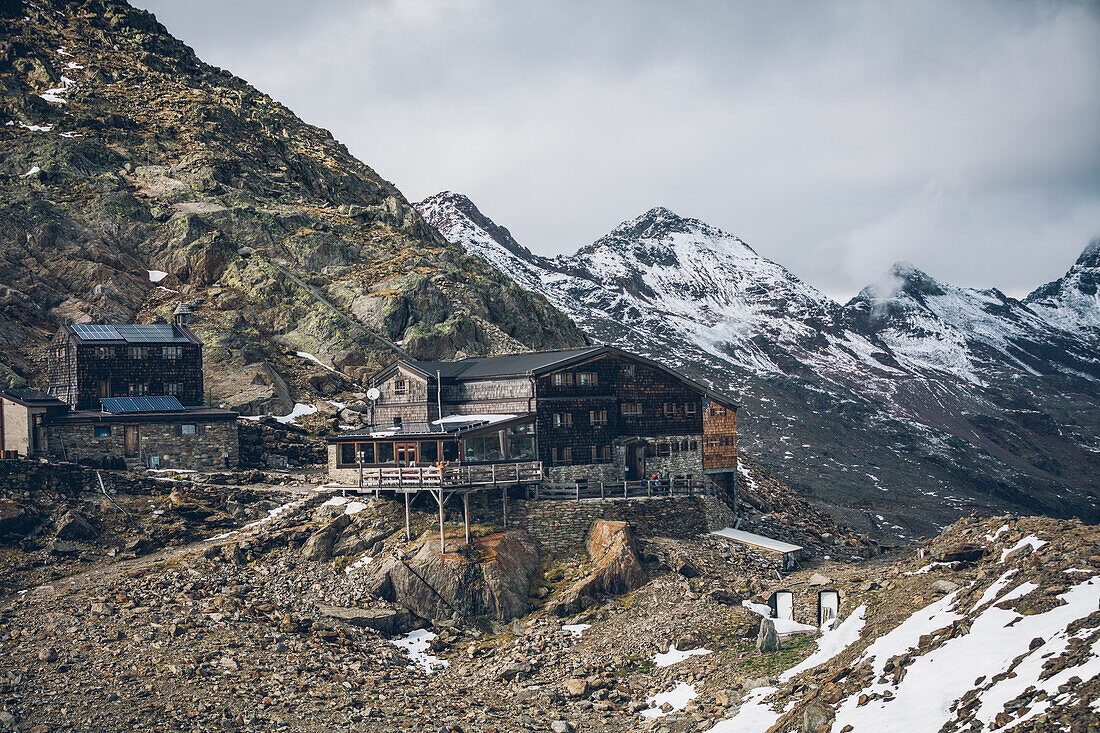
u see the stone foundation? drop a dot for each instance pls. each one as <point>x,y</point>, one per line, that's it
<point>206,451</point>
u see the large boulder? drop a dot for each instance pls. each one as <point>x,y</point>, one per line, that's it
<point>617,569</point>
<point>319,545</point>
<point>74,526</point>
<point>491,580</point>
<point>385,620</point>
<point>16,520</point>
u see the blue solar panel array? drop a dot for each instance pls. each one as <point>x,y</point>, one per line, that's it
<point>95,332</point>
<point>145,333</point>
<point>139,404</point>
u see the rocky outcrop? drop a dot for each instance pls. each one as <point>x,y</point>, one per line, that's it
<point>617,568</point>
<point>492,579</point>
<point>278,238</point>
<point>385,620</point>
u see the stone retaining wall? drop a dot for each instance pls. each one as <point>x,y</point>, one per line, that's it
<point>22,476</point>
<point>557,525</point>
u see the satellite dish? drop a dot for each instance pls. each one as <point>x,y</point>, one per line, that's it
<point>373,393</point>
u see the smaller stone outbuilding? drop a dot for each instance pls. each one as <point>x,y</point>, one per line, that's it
<point>152,432</point>
<point>23,417</point>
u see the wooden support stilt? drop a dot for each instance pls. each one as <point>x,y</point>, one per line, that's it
<point>504,499</point>
<point>408,528</point>
<point>442,539</point>
<point>466,515</point>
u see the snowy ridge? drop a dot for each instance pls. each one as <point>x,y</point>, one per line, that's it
<point>661,277</point>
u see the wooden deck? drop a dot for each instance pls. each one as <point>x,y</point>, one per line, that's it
<point>471,477</point>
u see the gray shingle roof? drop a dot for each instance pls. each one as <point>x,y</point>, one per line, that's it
<point>482,367</point>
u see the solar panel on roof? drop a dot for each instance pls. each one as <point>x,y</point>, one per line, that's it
<point>96,332</point>
<point>146,333</point>
<point>139,404</point>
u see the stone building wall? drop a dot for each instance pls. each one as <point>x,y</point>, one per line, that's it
<point>203,451</point>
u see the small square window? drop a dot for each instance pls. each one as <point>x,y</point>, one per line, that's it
<point>628,371</point>
<point>102,431</point>
<point>670,409</point>
<point>188,429</point>
<point>586,379</point>
<point>563,419</point>
<point>400,386</point>
<point>690,408</point>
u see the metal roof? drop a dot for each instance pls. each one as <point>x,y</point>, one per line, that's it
<point>139,404</point>
<point>439,429</point>
<point>144,333</point>
<point>26,395</point>
<point>482,367</point>
<point>756,540</point>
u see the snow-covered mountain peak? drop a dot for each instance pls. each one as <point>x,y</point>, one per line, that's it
<point>1090,257</point>
<point>1072,302</point>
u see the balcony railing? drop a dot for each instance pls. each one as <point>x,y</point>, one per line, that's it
<point>450,477</point>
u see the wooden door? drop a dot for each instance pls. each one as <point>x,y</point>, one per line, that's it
<point>406,454</point>
<point>131,441</point>
<point>635,461</point>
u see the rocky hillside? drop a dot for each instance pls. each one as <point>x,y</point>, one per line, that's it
<point>913,403</point>
<point>294,608</point>
<point>134,177</point>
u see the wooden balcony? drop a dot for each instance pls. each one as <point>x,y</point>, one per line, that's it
<point>404,479</point>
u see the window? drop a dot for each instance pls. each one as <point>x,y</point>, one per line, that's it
<point>690,408</point>
<point>521,442</point>
<point>103,352</point>
<point>563,379</point>
<point>628,371</point>
<point>562,455</point>
<point>450,450</point>
<point>563,419</point>
<point>650,450</point>
<point>601,453</point>
<point>138,389</point>
<point>586,379</point>
<point>693,445</point>
<point>137,352</point>
<point>188,429</point>
<point>429,451</point>
<point>664,450</point>
<point>171,352</point>
<point>397,422</point>
<point>400,386</point>
<point>597,417</point>
<point>632,409</point>
<point>717,410</point>
<point>173,389</point>
<point>347,453</point>
<point>670,409</point>
<point>366,453</point>
<point>102,431</point>
<point>384,454</point>
<point>482,448</point>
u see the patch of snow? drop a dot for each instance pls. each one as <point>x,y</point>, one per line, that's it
<point>337,501</point>
<point>272,515</point>
<point>360,563</point>
<point>678,698</point>
<point>155,276</point>
<point>315,360</point>
<point>674,655</point>
<point>1078,570</point>
<point>831,643</point>
<point>754,715</point>
<point>1030,541</point>
<point>576,629</point>
<point>415,644</point>
<point>999,639</point>
<point>931,567</point>
<point>62,52</point>
<point>56,94</point>
<point>993,537</point>
<point>355,507</point>
<point>994,588</point>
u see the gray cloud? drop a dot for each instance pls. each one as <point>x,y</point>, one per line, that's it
<point>835,138</point>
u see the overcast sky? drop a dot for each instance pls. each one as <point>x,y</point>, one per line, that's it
<point>835,138</point>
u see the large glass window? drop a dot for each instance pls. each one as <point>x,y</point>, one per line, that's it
<point>384,454</point>
<point>450,450</point>
<point>347,453</point>
<point>521,443</point>
<point>429,451</point>
<point>483,448</point>
<point>366,453</point>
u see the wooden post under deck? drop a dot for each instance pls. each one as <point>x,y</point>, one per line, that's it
<point>504,498</point>
<point>442,539</point>
<point>466,514</point>
<point>408,529</point>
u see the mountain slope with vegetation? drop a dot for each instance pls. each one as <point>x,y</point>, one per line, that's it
<point>122,153</point>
